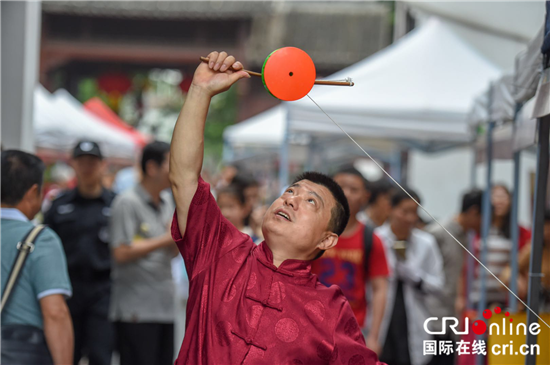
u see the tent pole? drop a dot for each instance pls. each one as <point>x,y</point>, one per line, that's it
<point>473,167</point>
<point>396,166</point>
<point>284,158</point>
<point>512,301</point>
<point>471,235</point>
<point>486,226</point>
<point>227,152</point>
<point>535,263</point>
<point>311,149</point>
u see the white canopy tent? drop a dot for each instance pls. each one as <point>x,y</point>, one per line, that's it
<point>265,130</point>
<point>442,75</point>
<point>416,92</point>
<point>420,88</point>
<point>264,135</point>
<point>60,121</point>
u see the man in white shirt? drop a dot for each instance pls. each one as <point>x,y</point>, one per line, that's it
<point>415,270</point>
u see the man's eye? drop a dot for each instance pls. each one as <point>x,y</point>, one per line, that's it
<point>288,191</point>
<point>312,201</point>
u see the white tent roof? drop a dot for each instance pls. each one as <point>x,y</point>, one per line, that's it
<point>420,88</point>
<point>263,130</point>
<point>512,19</point>
<point>60,121</point>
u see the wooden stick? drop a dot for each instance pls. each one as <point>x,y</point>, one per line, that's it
<point>334,83</point>
<point>251,73</point>
<point>317,82</point>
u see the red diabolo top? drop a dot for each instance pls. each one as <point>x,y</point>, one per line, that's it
<point>288,73</point>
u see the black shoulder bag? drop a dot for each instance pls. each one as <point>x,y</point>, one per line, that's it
<point>367,245</point>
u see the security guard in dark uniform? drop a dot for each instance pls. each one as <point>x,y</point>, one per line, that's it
<point>80,217</point>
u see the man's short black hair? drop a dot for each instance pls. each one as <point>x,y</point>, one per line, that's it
<point>20,171</point>
<point>234,190</point>
<point>340,213</point>
<point>379,187</point>
<point>154,151</point>
<point>350,170</point>
<point>399,195</point>
<point>472,198</point>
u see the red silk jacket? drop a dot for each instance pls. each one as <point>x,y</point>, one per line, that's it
<point>244,310</point>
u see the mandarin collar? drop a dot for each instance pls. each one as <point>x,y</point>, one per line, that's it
<point>289,267</point>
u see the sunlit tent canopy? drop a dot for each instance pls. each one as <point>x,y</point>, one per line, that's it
<point>265,130</point>
<point>60,121</point>
<point>420,89</point>
<point>261,136</point>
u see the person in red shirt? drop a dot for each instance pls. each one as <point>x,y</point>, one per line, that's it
<point>257,304</point>
<point>346,265</point>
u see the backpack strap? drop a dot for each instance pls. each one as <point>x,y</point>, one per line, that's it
<point>25,247</point>
<point>368,239</point>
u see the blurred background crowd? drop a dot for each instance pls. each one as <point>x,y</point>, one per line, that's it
<point>443,100</point>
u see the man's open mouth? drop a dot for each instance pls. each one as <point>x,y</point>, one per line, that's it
<point>284,215</point>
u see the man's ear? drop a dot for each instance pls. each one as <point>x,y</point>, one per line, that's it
<point>34,192</point>
<point>329,241</point>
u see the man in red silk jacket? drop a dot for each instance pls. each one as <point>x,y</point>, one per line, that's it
<point>256,304</point>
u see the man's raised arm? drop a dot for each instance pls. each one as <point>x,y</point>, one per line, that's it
<point>187,148</point>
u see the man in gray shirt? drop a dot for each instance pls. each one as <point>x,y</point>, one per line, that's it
<point>142,302</point>
<point>453,259</point>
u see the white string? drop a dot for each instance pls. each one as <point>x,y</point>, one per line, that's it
<point>431,216</point>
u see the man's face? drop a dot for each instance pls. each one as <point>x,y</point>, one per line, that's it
<point>473,219</point>
<point>382,205</point>
<point>165,171</point>
<point>404,216</point>
<point>159,174</point>
<point>300,217</point>
<point>232,209</point>
<point>252,196</point>
<point>88,169</point>
<point>500,200</point>
<point>354,189</point>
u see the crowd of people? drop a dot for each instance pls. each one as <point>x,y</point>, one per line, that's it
<point>110,257</point>
<point>100,276</point>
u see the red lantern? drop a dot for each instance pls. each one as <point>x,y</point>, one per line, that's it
<point>114,82</point>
